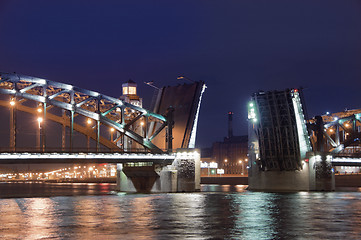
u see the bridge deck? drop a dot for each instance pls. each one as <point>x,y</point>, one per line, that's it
<point>80,158</point>
<point>346,161</point>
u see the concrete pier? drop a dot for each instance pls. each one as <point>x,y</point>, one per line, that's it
<point>182,175</point>
<point>316,175</point>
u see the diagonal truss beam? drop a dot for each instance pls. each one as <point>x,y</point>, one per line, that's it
<point>23,87</point>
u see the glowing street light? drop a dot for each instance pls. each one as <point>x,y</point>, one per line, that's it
<point>39,136</point>
<point>89,121</point>
<point>111,134</point>
<point>12,102</point>
<point>40,120</point>
<point>185,78</point>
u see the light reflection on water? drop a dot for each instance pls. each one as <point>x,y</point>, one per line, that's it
<point>219,212</point>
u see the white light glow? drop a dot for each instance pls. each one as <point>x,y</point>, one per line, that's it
<point>220,171</point>
<point>213,165</point>
<point>120,156</point>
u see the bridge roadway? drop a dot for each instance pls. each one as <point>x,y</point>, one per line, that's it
<point>117,157</point>
<point>346,161</point>
<point>83,157</point>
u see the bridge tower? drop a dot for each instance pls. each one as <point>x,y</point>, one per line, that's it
<point>279,148</point>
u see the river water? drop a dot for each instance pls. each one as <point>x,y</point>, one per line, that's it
<point>95,211</point>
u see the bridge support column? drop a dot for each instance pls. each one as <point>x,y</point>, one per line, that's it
<point>182,175</point>
<point>316,175</point>
<point>12,143</point>
<point>322,177</point>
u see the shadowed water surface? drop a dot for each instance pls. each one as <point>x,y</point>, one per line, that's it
<point>218,212</point>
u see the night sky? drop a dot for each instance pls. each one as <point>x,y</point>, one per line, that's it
<point>236,47</point>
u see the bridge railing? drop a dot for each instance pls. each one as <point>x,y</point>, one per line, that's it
<point>75,150</point>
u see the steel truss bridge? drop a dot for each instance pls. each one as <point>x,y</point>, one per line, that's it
<point>340,134</point>
<point>64,103</point>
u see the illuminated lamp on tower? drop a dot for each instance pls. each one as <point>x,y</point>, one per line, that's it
<point>129,93</point>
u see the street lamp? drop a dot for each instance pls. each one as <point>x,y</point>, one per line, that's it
<point>40,120</point>
<point>12,124</point>
<point>185,78</point>
<point>111,134</point>
<point>151,84</point>
<point>39,138</point>
<point>89,121</point>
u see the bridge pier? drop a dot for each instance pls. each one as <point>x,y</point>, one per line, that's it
<point>322,176</point>
<point>316,175</point>
<point>182,175</point>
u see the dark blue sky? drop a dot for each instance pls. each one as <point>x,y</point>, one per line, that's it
<point>236,47</point>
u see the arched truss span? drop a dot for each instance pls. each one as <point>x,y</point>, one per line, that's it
<point>109,111</point>
<point>61,120</point>
<point>342,130</point>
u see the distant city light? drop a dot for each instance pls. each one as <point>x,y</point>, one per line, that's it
<point>40,120</point>
<point>12,102</point>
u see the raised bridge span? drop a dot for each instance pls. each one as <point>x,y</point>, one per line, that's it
<point>287,151</point>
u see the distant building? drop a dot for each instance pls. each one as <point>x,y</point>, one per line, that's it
<point>231,154</point>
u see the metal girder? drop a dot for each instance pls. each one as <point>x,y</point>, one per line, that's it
<point>341,131</point>
<point>64,121</point>
<point>333,144</point>
<point>80,101</point>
